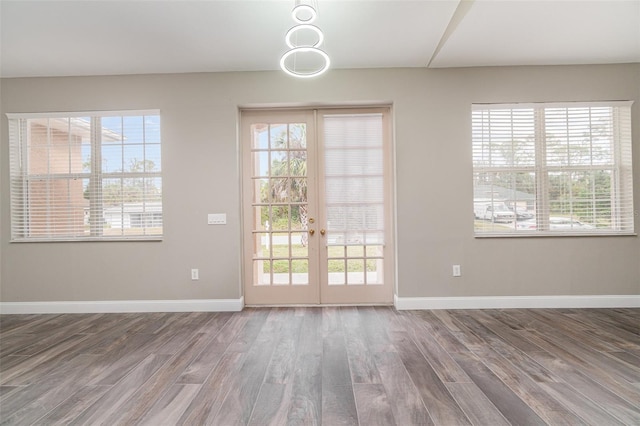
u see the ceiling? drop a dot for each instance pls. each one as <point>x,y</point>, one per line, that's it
<point>93,37</point>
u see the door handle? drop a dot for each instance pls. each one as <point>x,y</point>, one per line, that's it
<point>322,232</point>
<point>312,231</point>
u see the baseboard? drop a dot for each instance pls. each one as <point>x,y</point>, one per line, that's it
<point>113,306</point>
<point>507,302</point>
<point>401,303</point>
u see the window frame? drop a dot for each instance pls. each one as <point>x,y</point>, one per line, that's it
<point>19,139</point>
<point>620,168</point>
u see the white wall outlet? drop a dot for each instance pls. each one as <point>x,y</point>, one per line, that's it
<point>457,271</point>
<point>195,274</point>
<point>217,219</point>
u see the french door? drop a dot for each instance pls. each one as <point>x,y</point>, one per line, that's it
<point>316,206</point>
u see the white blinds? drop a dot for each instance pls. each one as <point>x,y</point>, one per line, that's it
<point>556,168</point>
<point>88,176</point>
<point>354,178</point>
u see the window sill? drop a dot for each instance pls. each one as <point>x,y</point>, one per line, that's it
<point>89,239</point>
<point>555,234</point>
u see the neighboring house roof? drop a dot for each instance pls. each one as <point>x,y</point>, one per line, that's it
<point>499,192</point>
<point>76,126</point>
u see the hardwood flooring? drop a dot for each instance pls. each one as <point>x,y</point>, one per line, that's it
<point>328,365</point>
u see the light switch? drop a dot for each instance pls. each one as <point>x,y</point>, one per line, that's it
<point>217,219</point>
<point>456,271</point>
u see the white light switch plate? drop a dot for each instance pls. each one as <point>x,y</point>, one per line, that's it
<point>217,219</point>
<point>457,271</point>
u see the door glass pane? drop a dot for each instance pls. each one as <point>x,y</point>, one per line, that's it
<point>262,272</point>
<point>261,218</point>
<point>299,217</point>
<point>279,218</point>
<point>260,136</point>
<point>355,268</point>
<point>374,271</point>
<point>279,163</point>
<point>281,269</point>
<point>298,190</point>
<point>262,242</point>
<point>298,163</point>
<point>374,251</point>
<point>337,269</point>
<point>280,241</point>
<point>279,190</point>
<point>300,271</point>
<point>278,136</point>
<point>299,241</point>
<point>260,163</point>
<point>336,251</point>
<point>355,251</point>
<point>298,136</point>
<point>261,190</point>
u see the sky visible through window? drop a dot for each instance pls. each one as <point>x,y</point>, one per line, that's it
<point>127,141</point>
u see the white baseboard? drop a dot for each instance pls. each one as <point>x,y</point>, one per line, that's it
<point>113,306</point>
<point>508,302</point>
<point>401,303</point>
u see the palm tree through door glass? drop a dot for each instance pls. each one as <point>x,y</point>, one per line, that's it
<point>279,180</point>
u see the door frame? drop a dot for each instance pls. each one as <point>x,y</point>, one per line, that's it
<point>390,253</point>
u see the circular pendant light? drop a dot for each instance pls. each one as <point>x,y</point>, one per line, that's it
<point>305,49</point>
<point>303,8</point>
<point>304,15</point>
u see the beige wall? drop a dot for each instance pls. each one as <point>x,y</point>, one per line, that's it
<point>434,187</point>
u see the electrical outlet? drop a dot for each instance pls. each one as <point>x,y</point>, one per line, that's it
<point>457,271</point>
<point>195,274</point>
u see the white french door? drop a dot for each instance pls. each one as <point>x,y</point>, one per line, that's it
<point>317,210</point>
<point>279,175</point>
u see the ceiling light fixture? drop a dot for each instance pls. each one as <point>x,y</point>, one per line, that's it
<point>303,8</point>
<point>318,31</point>
<point>304,15</point>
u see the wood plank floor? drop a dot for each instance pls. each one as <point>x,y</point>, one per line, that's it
<point>329,365</point>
